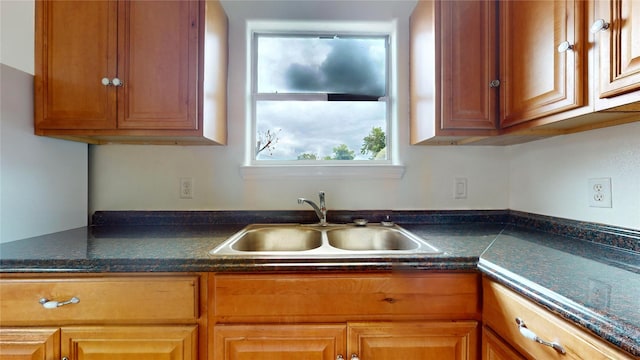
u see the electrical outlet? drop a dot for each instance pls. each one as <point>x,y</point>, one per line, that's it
<point>460,188</point>
<point>600,192</point>
<point>186,188</point>
<point>599,294</point>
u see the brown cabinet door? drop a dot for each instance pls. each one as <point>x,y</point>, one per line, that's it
<point>538,79</point>
<point>30,344</point>
<point>274,342</point>
<point>130,343</point>
<point>414,341</point>
<point>158,64</point>
<point>619,47</point>
<point>75,49</point>
<point>469,64</point>
<point>494,348</point>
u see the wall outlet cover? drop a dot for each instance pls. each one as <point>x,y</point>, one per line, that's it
<point>599,192</point>
<point>186,188</point>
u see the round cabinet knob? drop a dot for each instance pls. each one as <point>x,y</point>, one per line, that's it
<point>117,82</point>
<point>564,46</point>
<point>106,81</point>
<point>494,83</point>
<point>354,357</point>
<point>599,25</point>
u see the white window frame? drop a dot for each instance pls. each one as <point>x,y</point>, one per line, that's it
<point>389,168</point>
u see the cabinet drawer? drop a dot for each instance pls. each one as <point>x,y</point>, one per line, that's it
<point>343,297</point>
<point>111,299</point>
<point>502,306</point>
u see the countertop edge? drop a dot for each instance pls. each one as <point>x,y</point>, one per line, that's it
<point>465,264</point>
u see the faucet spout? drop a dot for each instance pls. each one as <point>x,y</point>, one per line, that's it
<point>321,211</point>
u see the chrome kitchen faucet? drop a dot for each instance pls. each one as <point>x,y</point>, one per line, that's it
<point>321,211</point>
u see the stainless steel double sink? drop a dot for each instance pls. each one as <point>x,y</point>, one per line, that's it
<point>333,239</point>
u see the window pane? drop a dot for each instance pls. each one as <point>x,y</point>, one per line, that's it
<point>317,130</point>
<point>305,64</point>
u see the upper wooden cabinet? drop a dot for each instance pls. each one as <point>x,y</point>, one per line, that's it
<point>131,71</point>
<point>554,77</point>
<point>451,93</point>
<point>541,58</point>
<point>616,31</point>
<point>73,54</point>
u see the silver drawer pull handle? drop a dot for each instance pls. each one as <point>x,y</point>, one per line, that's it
<point>47,304</point>
<point>532,336</point>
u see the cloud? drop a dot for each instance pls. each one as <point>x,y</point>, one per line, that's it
<point>304,78</point>
<point>351,66</point>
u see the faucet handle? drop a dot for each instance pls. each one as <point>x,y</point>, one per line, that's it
<point>387,222</point>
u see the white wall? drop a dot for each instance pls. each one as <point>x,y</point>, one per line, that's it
<point>43,181</point>
<point>550,176</point>
<point>17,34</point>
<point>547,177</point>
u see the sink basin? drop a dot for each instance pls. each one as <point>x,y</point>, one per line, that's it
<point>284,238</point>
<point>370,238</point>
<point>296,240</point>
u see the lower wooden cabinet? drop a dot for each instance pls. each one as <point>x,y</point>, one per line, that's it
<point>30,344</point>
<point>97,316</point>
<point>268,341</point>
<point>130,343</point>
<point>505,312</point>
<point>445,340</point>
<point>494,348</point>
<point>370,340</point>
<point>386,315</point>
<point>100,342</point>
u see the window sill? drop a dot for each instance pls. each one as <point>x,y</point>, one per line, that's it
<point>251,172</point>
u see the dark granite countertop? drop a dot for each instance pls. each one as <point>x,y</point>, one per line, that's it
<point>522,251</point>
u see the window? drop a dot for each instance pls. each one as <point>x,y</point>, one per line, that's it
<point>320,98</point>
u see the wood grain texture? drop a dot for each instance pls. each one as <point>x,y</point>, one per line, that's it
<point>178,342</point>
<point>414,340</point>
<point>274,342</point>
<point>619,47</point>
<point>468,64</point>
<point>75,48</point>
<point>343,297</point>
<point>537,79</point>
<point>108,300</point>
<point>29,344</point>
